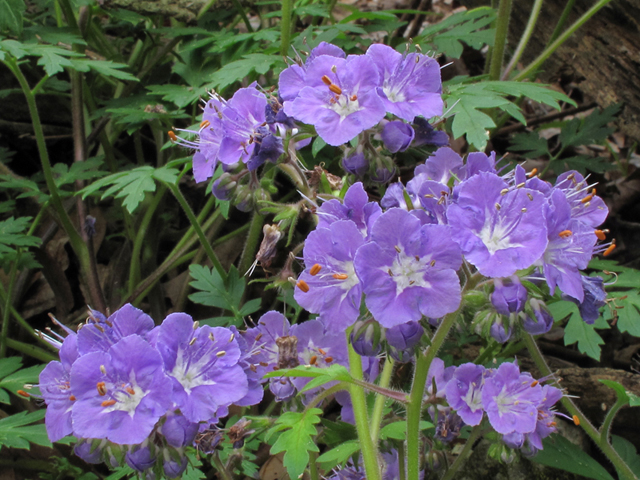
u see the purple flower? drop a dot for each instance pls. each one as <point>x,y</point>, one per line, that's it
<point>500,331</point>
<point>585,205</point>
<point>498,230</point>
<point>509,295</point>
<point>121,393</point>
<point>329,285</point>
<point>254,378</point>
<point>282,388</point>
<point>442,166</point>
<point>464,392</point>
<point>511,400</point>
<point>356,207</point>
<point>478,162</point>
<point>425,134</point>
<point>402,340</point>
<point>203,365</point>
<point>141,457</point>
<point>594,298</point>
<point>365,338</point>
<point>174,467</point>
<point>263,342</point>
<point>339,99</point>
<point>356,164</point>
<point>86,451</point>
<point>397,136</point>
<point>569,249</point>
<point>210,136</point>
<point>542,320</point>
<point>408,270</point>
<point>223,187</point>
<point>410,84</point>
<point>178,431</point>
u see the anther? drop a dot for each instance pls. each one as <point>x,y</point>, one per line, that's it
<point>532,172</point>
<point>417,258</point>
<point>130,391</point>
<point>534,383</point>
<point>586,199</point>
<point>390,273</point>
<point>432,263</point>
<point>211,337</point>
<point>233,335</point>
<point>221,353</point>
<point>340,276</point>
<point>172,136</point>
<point>322,351</point>
<point>429,195</point>
<point>498,206</point>
<point>313,360</point>
<point>520,185</point>
<point>102,388</point>
<point>328,359</point>
<point>72,398</point>
<point>259,336</point>
<point>610,249</point>
<point>576,420</point>
<point>571,177</point>
<point>302,285</point>
<point>593,191</point>
<point>530,196</point>
<point>196,324</point>
<point>524,210</point>
<point>334,69</point>
<point>353,97</point>
<point>397,248</point>
<point>23,393</point>
<point>335,89</point>
<point>600,234</point>
<point>552,424</point>
<point>192,341</point>
<point>205,124</point>
<point>108,403</point>
<point>326,80</point>
<point>565,234</point>
<point>313,271</point>
<point>103,370</point>
<point>504,191</point>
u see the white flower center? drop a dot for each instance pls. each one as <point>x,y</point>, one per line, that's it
<point>408,271</point>
<point>345,107</point>
<point>189,371</point>
<point>394,95</point>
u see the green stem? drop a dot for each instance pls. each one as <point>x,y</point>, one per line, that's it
<point>359,401</point>
<point>285,27</point>
<point>242,13</point>
<point>198,229</point>
<point>487,353</point>
<point>528,31</point>
<point>313,467</point>
<point>378,406</point>
<point>7,308</point>
<point>423,362</point>
<point>535,64</point>
<point>31,350</point>
<point>464,454</point>
<point>608,420</point>
<point>222,470</point>
<point>561,21</point>
<point>623,469</point>
<point>252,242</point>
<point>502,30</point>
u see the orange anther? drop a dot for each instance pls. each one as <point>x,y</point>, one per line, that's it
<point>332,100</point>
<point>108,403</point>
<point>313,360</point>
<point>313,271</point>
<point>576,420</point>
<point>565,234</point>
<point>302,285</point>
<point>326,80</point>
<point>353,98</point>
<point>552,424</point>
<point>102,388</point>
<point>593,191</point>
<point>608,251</point>
<point>23,393</point>
<point>534,383</point>
<point>205,124</point>
<point>532,172</point>
<point>586,199</point>
<point>72,398</point>
<point>322,351</point>
<point>172,136</point>
<point>130,391</point>
<point>328,359</point>
<point>335,89</point>
<point>340,276</point>
<point>600,234</point>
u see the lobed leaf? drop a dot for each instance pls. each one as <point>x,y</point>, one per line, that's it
<point>16,431</point>
<point>296,439</point>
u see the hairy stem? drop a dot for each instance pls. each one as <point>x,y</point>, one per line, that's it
<point>561,21</point>
<point>378,406</point>
<point>524,40</point>
<point>7,308</point>
<point>251,243</point>
<point>285,27</point>
<point>605,429</point>
<point>464,454</point>
<point>502,30</point>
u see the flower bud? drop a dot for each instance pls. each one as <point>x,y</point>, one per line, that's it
<point>385,170</point>
<point>538,319</point>
<point>500,330</point>
<point>402,340</point>
<point>594,298</point>
<point>89,450</point>
<point>244,199</point>
<point>223,187</point>
<point>425,134</point>
<point>397,136</point>
<point>178,431</point>
<point>475,300</point>
<point>365,338</point>
<point>509,295</point>
<point>141,458</point>
<point>174,467</point>
<point>356,164</point>
<point>282,388</point>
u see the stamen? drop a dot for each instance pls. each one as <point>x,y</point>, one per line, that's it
<point>334,69</point>
<point>302,285</point>
<point>192,341</point>
<point>353,97</point>
<point>565,234</point>
<point>552,424</point>
<point>417,258</point>
<point>429,195</point>
<point>233,335</point>
<point>322,351</point>
<point>211,337</point>
<point>328,359</point>
<point>108,403</point>
<point>335,89</point>
<point>432,263</point>
<point>326,80</point>
<point>313,271</point>
<point>259,336</point>
<point>498,206</point>
<point>586,199</point>
<point>172,136</point>
<point>221,353</point>
<point>102,388</point>
<point>397,248</point>
<point>205,124</point>
<point>532,172</point>
<point>103,370</point>
<point>504,191</point>
<point>530,196</point>
<point>130,391</point>
<point>313,360</point>
<point>576,420</point>
<point>524,210</point>
<point>72,398</point>
<point>340,276</point>
<point>600,234</point>
<point>390,273</point>
<point>520,185</point>
<point>534,383</point>
<point>610,249</point>
<point>196,324</point>
<point>593,191</point>
<point>23,393</point>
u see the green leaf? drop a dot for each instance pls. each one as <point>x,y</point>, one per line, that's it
<point>235,71</point>
<point>530,144</point>
<point>9,365</point>
<point>398,430</point>
<point>53,59</point>
<point>12,236</point>
<point>85,170</point>
<point>296,439</point>
<point>577,330</point>
<point>181,95</point>
<point>11,14</point>
<point>629,311</point>
<point>591,129</point>
<point>621,393</point>
<point>339,454</point>
<point>104,67</point>
<point>628,453</point>
<point>318,144</point>
<point>625,277</point>
<point>250,307</point>
<point>213,291</point>
<point>336,433</point>
<point>16,381</point>
<point>560,453</point>
<point>16,431</point>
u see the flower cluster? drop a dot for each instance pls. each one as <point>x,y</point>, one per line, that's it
<point>138,393</point>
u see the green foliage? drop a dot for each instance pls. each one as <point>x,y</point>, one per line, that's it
<point>225,293</point>
<point>469,27</point>
<point>467,100</point>
<point>560,453</point>
<point>254,62</point>
<point>338,455</point>
<point>623,395</point>
<point>628,453</point>
<point>398,430</point>
<point>13,239</point>
<point>11,13</point>
<point>577,330</point>
<point>17,430</point>
<point>13,379</point>
<point>297,439</point>
<point>132,185</point>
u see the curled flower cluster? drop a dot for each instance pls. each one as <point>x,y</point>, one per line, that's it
<point>138,393</point>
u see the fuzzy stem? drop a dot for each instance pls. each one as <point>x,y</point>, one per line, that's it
<point>222,470</point>
<point>31,350</point>
<point>528,31</point>
<point>464,454</point>
<point>285,27</point>
<point>535,64</point>
<point>243,14</point>
<point>502,29</point>
<point>313,467</point>
<point>378,406</point>
<point>561,21</point>
<point>7,308</point>
<point>359,401</point>
<point>252,242</point>
<point>605,429</point>
<point>623,469</point>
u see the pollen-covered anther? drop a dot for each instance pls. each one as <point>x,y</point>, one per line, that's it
<point>565,234</point>
<point>130,391</point>
<point>334,69</point>
<point>609,249</point>
<point>23,393</point>
<point>534,383</point>
<point>205,124</point>
<point>313,359</point>
<point>172,136</point>
<point>72,398</point>
<point>221,353</point>
<point>504,191</point>
<point>340,276</point>
<point>196,324</point>
<point>323,352</point>
<point>432,263</point>
<point>601,234</point>
<point>335,89</point>
<point>429,195</point>
<point>103,370</point>
<point>498,206</point>
<point>302,285</point>
<point>108,403</point>
<point>523,210</point>
<point>552,424</point>
<point>192,341</point>
<point>102,388</point>
<point>211,337</point>
<point>315,269</point>
<point>417,258</point>
<point>328,359</point>
<point>397,248</point>
<point>520,185</point>
<point>586,199</point>
<point>326,80</point>
<point>232,337</point>
<point>353,97</point>
<point>576,420</point>
<point>532,172</point>
<point>530,196</point>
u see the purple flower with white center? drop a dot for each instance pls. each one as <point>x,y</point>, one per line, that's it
<point>356,207</point>
<point>263,342</point>
<point>329,285</point>
<point>209,138</point>
<point>541,321</point>
<point>408,270</point>
<point>410,84</point>
<point>509,295</point>
<point>340,98</point>
<point>434,199</point>
<point>443,165</point>
<point>397,136</point>
<point>402,340</point>
<point>125,321</point>
<point>56,391</point>
<point>499,230</point>
<point>425,134</point>
<point>121,393</point>
<point>569,250</point>
<point>478,162</point>
<point>356,164</point>
<point>511,400</point>
<point>594,298</point>
<point>586,206</point>
<point>202,363</point>
<point>464,392</point>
